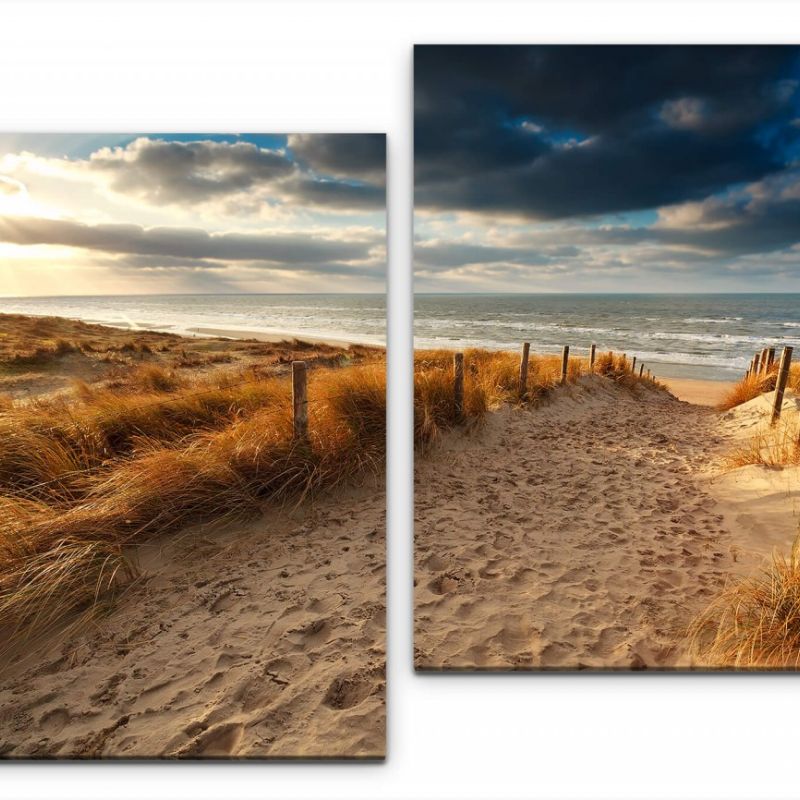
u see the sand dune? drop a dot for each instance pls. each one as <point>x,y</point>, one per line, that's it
<point>585,533</point>
<point>761,504</point>
<point>267,641</point>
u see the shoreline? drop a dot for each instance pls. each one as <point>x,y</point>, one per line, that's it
<point>267,336</point>
<point>273,337</point>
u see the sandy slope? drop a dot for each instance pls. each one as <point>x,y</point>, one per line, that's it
<point>579,534</point>
<point>267,641</point>
<point>761,504</point>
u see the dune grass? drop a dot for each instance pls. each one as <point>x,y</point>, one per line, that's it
<point>752,386</point>
<point>491,379</point>
<point>126,467</point>
<point>755,621</point>
<point>777,446</point>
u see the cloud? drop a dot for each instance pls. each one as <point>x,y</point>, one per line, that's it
<point>188,172</point>
<point>342,155</point>
<point>446,255</point>
<point>553,132</point>
<point>336,195</point>
<point>231,178</point>
<point>290,250</point>
<point>10,186</point>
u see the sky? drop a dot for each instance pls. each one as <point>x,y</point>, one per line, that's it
<point>84,214</point>
<point>575,168</point>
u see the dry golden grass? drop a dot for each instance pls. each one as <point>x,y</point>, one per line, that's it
<point>84,479</point>
<point>491,379</point>
<point>42,355</point>
<point>754,385</point>
<point>755,622</point>
<point>777,446</point>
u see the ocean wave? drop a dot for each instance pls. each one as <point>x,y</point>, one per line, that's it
<point>713,320</point>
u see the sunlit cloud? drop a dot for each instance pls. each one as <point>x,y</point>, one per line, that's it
<point>189,213</point>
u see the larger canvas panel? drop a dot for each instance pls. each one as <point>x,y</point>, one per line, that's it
<point>192,436</point>
<point>607,266</point>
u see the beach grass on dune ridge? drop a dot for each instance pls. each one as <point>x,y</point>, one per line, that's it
<point>491,378</point>
<point>752,386</point>
<point>167,465</point>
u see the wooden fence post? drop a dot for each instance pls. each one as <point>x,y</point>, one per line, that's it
<point>764,360</point>
<point>770,358</point>
<point>300,400</point>
<point>648,374</point>
<point>592,353</point>
<point>780,383</point>
<point>633,365</point>
<point>564,363</point>
<point>641,369</point>
<point>756,363</point>
<point>458,385</point>
<point>523,370</point>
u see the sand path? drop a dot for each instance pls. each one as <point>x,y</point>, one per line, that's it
<point>579,534</point>
<point>267,641</point>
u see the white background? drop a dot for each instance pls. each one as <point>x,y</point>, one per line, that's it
<point>346,66</point>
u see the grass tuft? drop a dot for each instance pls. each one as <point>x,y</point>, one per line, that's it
<point>755,622</point>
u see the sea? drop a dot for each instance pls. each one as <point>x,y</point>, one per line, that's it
<point>703,336</point>
<point>349,317</point>
<point>706,336</point>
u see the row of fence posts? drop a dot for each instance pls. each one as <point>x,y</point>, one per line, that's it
<point>761,364</point>
<point>458,372</point>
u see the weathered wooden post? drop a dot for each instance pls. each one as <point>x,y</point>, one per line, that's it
<point>641,369</point>
<point>458,385</point>
<point>523,370</point>
<point>633,365</point>
<point>780,384</point>
<point>564,363</point>
<point>648,374</point>
<point>756,363</point>
<point>300,400</point>
<point>592,353</point>
<point>764,360</point>
<point>770,358</point>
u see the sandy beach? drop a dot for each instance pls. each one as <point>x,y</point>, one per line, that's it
<point>280,336</point>
<point>590,531</point>
<point>701,393</point>
<point>266,640</point>
<point>261,637</point>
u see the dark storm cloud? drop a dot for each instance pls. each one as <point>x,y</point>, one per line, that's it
<point>336,195</point>
<point>563,131</point>
<point>186,243</point>
<point>342,172</point>
<point>188,172</point>
<point>722,235</point>
<point>343,155</point>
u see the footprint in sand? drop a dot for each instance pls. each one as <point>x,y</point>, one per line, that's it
<point>348,691</point>
<point>221,741</point>
<point>444,584</point>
